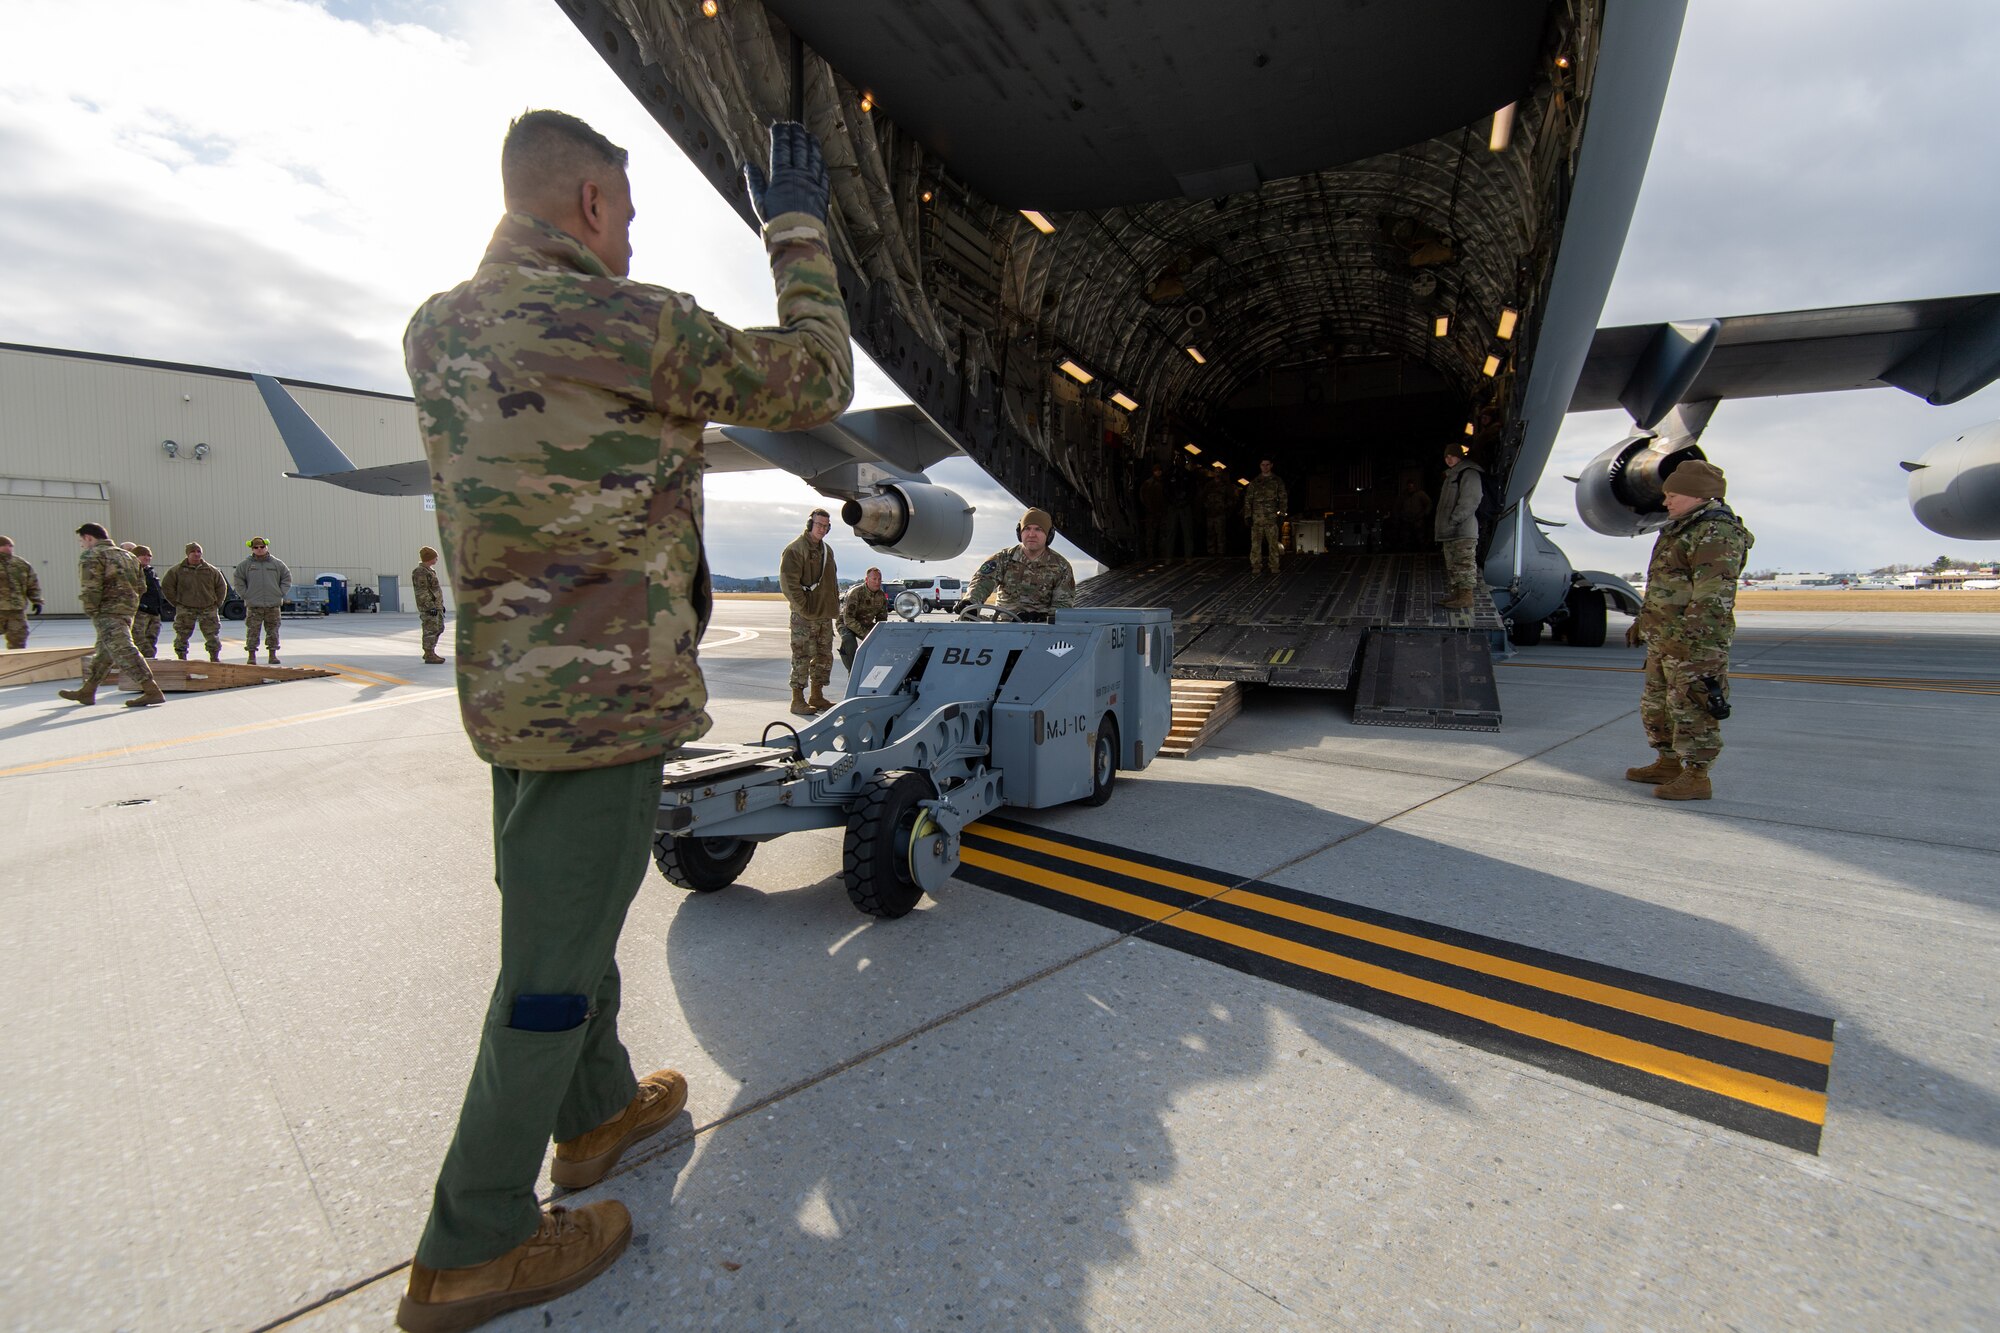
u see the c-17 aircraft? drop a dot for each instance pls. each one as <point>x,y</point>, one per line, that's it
<point>1085,239</point>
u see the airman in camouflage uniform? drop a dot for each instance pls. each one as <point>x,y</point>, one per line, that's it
<point>153,604</point>
<point>1456,527</point>
<point>110,583</point>
<point>1686,623</point>
<point>264,580</point>
<point>430,600</point>
<point>1215,509</point>
<point>864,608</point>
<point>19,590</point>
<point>1265,504</point>
<point>562,407</point>
<point>1032,579</point>
<point>806,577</point>
<point>197,590</point>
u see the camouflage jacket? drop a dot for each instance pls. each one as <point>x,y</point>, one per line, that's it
<point>1215,497</point>
<point>19,588</point>
<point>197,587</point>
<point>1691,583</point>
<point>1457,517</point>
<point>864,609</point>
<point>806,577</point>
<point>262,582</point>
<point>110,581</point>
<point>429,593</point>
<point>562,409</point>
<point>1265,499</point>
<point>1025,585</point>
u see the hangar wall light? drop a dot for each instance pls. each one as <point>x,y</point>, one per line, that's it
<point>201,451</point>
<point>170,448</point>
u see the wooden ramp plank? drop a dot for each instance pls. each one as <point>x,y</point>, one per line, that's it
<point>32,666</point>
<point>1200,708</point>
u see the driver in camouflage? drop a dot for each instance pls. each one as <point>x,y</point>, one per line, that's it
<point>562,406</point>
<point>1686,623</point>
<point>1032,579</point>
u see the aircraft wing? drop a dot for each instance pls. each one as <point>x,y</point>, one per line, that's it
<point>846,457</point>
<point>1941,350</point>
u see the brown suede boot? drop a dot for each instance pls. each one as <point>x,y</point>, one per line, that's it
<point>150,694</point>
<point>572,1247</point>
<point>583,1160</point>
<point>86,694</point>
<point>1665,768</point>
<point>273,656</point>
<point>433,659</point>
<point>215,654</point>
<point>818,701</point>
<point>1691,785</point>
<point>1458,601</point>
<point>799,705</point>
<point>253,656</point>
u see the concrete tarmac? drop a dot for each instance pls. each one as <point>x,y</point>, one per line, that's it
<point>252,935</point>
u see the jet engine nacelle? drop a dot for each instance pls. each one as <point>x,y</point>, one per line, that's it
<point>1619,493</point>
<point>918,520</point>
<point>1955,486</point>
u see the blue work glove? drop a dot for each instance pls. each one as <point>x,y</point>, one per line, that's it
<point>798,175</point>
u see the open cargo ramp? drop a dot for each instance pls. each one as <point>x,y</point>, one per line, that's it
<point>1427,678</point>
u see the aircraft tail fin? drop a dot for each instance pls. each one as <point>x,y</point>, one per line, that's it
<point>320,459</point>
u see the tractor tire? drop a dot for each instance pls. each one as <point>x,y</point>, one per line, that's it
<point>875,859</point>
<point>1525,633</point>
<point>701,865</point>
<point>1587,616</point>
<point>1103,762</point>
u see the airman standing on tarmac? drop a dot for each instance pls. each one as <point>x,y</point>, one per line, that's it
<point>430,600</point>
<point>1265,504</point>
<point>110,584</point>
<point>197,591</point>
<point>1032,579</point>
<point>806,577</point>
<point>19,590</point>
<point>562,406</point>
<point>1456,527</point>
<point>1686,623</point>
<point>263,579</point>
<point>864,608</point>
<point>152,606</point>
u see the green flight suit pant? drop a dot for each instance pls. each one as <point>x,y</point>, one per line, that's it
<point>569,852</point>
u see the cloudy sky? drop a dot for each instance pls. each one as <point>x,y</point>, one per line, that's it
<point>274,184</point>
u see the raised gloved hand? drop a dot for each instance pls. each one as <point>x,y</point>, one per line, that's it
<point>798,175</point>
<point>1632,636</point>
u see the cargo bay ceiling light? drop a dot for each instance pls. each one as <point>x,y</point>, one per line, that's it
<point>1074,371</point>
<point>1509,317</point>
<point>1492,366</point>
<point>1041,224</point>
<point>709,9</point>
<point>1125,401</point>
<point>1194,449</point>
<point>867,103</point>
<point>1220,466</point>
<point>1199,359</point>
<point>1468,428</point>
<point>1503,129</point>
<point>1441,326</point>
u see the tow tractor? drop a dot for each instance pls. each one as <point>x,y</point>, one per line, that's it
<point>944,722</point>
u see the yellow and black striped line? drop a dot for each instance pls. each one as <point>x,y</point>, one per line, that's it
<point>1753,1067</point>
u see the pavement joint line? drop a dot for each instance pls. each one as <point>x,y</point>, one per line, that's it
<point>269,724</point>
<point>1941,685</point>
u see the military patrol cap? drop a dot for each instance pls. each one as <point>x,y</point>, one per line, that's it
<point>427,553</point>
<point>1694,477</point>
<point>142,549</point>
<point>191,547</point>
<point>1038,518</point>
<point>6,541</point>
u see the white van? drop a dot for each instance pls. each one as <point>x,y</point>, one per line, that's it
<point>938,591</point>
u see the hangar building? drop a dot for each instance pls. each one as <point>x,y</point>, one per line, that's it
<point>165,454</point>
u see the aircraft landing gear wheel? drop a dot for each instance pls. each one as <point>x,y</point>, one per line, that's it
<point>1103,762</point>
<point>1586,618</point>
<point>702,865</point>
<point>881,832</point>
<point>1525,633</point>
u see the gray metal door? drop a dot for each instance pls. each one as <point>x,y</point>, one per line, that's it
<point>391,594</point>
